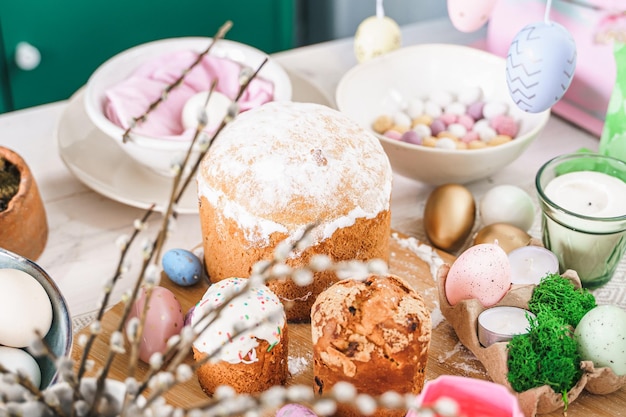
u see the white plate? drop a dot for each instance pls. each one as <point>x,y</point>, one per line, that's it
<point>99,163</point>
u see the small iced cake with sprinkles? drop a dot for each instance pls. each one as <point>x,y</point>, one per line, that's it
<point>244,334</point>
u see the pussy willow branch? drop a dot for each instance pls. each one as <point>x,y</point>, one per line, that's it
<point>162,236</point>
<point>187,180</point>
<point>140,119</point>
<point>162,232</point>
<point>107,294</point>
<point>160,240</point>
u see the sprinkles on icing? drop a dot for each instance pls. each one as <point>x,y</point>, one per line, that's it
<point>249,309</point>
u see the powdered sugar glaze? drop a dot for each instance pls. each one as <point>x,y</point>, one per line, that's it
<point>285,164</point>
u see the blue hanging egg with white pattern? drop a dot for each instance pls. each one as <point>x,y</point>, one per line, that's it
<point>540,65</point>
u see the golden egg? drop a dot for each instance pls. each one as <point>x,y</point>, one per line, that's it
<point>449,216</point>
<point>507,236</point>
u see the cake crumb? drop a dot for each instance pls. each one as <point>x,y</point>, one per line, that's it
<point>297,364</point>
<point>424,252</point>
<point>436,317</point>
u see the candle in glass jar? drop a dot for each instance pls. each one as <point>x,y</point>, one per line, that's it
<point>531,263</point>
<point>585,226</point>
<point>589,193</point>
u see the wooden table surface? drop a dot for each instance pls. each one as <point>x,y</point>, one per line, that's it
<point>446,356</point>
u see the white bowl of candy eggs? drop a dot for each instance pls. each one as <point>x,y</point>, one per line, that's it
<point>442,112</point>
<point>30,301</point>
<point>126,85</point>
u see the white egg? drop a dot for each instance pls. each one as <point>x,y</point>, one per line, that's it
<point>24,308</point>
<point>216,109</point>
<point>507,204</point>
<point>601,337</point>
<point>15,360</point>
<point>375,36</point>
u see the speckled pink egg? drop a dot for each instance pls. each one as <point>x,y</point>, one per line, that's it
<point>482,272</point>
<point>164,319</point>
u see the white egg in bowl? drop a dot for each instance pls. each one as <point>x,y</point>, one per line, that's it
<point>126,85</point>
<point>405,83</point>
<point>31,299</point>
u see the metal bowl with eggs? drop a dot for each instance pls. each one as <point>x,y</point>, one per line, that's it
<point>386,84</point>
<point>31,301</point>
<point>124,86</point>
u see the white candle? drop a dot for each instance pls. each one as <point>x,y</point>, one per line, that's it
<point>589,193</point>
<point>500,324</point>
<point>531,263</point>
<point>582,238</point>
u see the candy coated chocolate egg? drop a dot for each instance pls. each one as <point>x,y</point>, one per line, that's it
<point>15,360</point>
<point>507,204</point>
<point>601,337</point>
<point>449,216</point>
<point>540,65</point>
<point>481,272</point>
<point>295,410</point>
<point>507,236</point>
<point>468,16</point>
<point>182,267</point>
<point>375,36</point>
<point>24,308</point>
<point>163,320</point>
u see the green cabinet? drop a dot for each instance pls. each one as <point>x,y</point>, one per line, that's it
<point>73,37</point>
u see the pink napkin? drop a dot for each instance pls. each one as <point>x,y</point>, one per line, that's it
<point>131,97</point>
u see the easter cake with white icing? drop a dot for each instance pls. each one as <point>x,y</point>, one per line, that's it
<point>279,168</point>
<point>246,340</point>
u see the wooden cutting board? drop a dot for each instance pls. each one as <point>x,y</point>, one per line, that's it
<point>408,259</point>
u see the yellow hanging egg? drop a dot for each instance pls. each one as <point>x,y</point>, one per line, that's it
<point>376,36</point>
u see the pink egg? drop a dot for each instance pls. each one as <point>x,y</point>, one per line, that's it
<point>468,16</point>
<point>164,319</point>
<point>393,134</point>
<point>482,272</point>
<point>295,410</point>
<point>504,125</point>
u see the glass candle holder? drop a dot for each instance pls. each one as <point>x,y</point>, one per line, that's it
<point>583,203</point>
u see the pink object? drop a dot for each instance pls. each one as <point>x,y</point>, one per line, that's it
<point>164,319</point>
<point>482,272</point>
<point>504,125</point>
<point>131,97</point>
<point>470,137</point>
<point>466,120</point>
<point>393,134</point>
<point>475,397</point>
<point>586,101</point>
<point>468,16</point>
<point>295,410</point>
<point>448,118</point>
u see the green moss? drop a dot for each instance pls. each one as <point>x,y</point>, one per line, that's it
<point>559,297</point>
<point>547,355</point>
